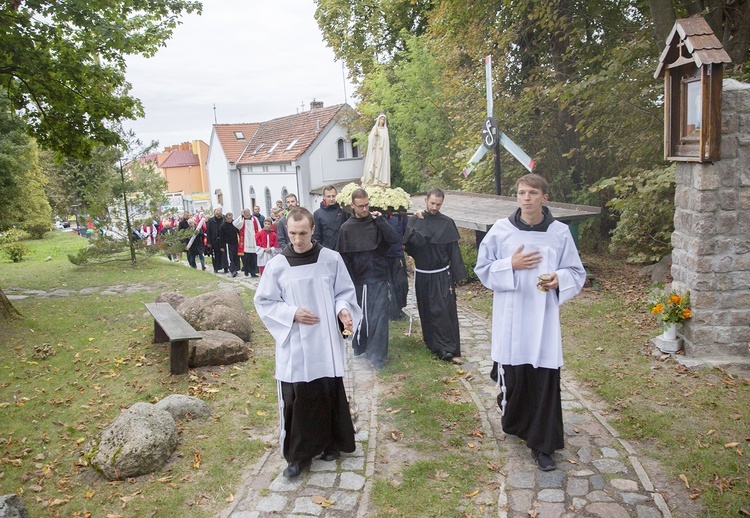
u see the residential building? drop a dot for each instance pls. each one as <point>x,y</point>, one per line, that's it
<point>259,163</point>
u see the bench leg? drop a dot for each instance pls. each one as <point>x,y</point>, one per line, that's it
<point>159,335</point>
<point>178,357</point>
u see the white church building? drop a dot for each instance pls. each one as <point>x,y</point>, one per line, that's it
<point>260,163</point>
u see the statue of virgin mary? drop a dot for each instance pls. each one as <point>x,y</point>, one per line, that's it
<point>377,170</point>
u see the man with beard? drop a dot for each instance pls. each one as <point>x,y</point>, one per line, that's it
<point>328,219</point>
<point>432,240</point>
<point>363,242</point>
<point>212,238</point>
<point>306,299</point>
<point>531,263</point>
<point>248,225</point>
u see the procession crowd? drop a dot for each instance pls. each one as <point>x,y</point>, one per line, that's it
<point>339,278</point>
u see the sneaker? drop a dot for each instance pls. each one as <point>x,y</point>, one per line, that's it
<point>544,461</point>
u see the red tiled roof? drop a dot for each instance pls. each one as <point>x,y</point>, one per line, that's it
<point>153,157</point>
<point>180,158</point>
<point>285,139</point>
<point>231,145</point>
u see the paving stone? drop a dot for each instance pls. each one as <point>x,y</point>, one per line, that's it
<point>521,499</point>
<point>581,473</point>
<point>577,486</point>
<point>579,440</point>
<point>597,482</point>
<point>585,455</point>
<point>644,511</point>
<point>610,466</point>
<point>281,483</point>
<point>579,503</point>
<point>345,500</point>
<point>522,479</point>
<point>610,453</point>
<point>551,479</point>
<point>245,514</point>
<point>550,510</point>
<point>353,464</point>
<point>599,496</point>
<point>321,465</point>
<point>351,481</point>
<point>551,495</point>
<point>624,484</point>
<point>305,505</point>
<point>634,498</point>
<point>607,510</point>
<point>322,479</point>
<point>272,503</point>
<point>571,405</point>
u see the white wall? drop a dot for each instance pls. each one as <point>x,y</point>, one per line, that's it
<point>218,172</point>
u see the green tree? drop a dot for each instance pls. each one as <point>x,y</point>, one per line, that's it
<point>63,64</point>
<point>22,195</point>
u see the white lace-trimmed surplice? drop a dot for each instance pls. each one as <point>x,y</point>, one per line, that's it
<point>525,320</point>
<point>307,352</point>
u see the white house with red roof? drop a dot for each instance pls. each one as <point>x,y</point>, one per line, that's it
<point>259,163</point>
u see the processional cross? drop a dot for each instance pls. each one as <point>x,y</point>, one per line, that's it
<point>490,137</point>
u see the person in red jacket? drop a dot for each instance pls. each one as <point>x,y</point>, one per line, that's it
<point>268,244</point>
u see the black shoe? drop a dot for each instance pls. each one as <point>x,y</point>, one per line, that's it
<point>204,268</point>
<point>544,461</point>
<point>447,357</point>
<point>253,275</point>
<point>234,274</point>
<point>246,274</point>
<point>295,468</point>
<point>226,271</point>
<point>330,455</point>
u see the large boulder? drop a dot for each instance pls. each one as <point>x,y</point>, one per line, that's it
<point>174,299</point>
<point>218,310</point>
<point>180,406</point>
<point>217,348</point>
<point>139,441</point>
<point>11,506</point>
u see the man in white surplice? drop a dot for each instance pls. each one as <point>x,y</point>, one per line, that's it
<point>531,263</point>
<point>306,298</point>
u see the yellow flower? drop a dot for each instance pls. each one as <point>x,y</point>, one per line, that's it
<point>657,309</point>
<point>686,313</point>
<point>675,299</point>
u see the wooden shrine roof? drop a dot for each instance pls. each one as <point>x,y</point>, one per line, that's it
<point>480,211</point>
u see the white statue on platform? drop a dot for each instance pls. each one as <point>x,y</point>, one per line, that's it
<point>377,170</point>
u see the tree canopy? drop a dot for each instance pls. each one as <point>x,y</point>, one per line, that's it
<point>573,86</point>
<point>63,64</point>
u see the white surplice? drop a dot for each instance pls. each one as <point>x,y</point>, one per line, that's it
<point>525,320</point>
<point>307,352</point>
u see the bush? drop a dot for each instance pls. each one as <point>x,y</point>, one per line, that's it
<point>37,228</point>
<point>16,251</point>
<point>645,203</point>
<point>469,255</point>
<point>13,235</point>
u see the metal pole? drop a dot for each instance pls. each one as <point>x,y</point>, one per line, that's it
<point>498,169</point>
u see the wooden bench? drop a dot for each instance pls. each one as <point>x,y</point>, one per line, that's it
<point>170,327</point>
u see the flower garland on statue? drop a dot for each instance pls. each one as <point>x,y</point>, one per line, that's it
<point>380,197</point>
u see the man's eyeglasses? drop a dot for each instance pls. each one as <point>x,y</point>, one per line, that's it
<point>362,206</point>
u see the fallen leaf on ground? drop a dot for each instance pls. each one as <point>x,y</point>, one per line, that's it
<point>197,460</point>
<point>731,444</point>
<point>322,501</point>
<point>472,494</point>
<point>685,480</point>
<point>230,498</point>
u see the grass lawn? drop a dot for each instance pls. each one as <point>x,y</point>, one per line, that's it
<point>74,362</point>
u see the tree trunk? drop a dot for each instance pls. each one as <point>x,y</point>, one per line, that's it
<point>736,39</point>
<point>663,17</point>
<point>7,310</point>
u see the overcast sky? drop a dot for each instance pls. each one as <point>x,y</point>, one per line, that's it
<point>254,59</point>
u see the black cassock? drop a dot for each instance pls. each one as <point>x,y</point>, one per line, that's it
<point>433,243</point>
